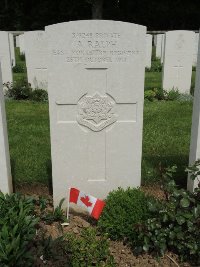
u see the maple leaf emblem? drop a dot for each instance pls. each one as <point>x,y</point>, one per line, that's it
<point>86,201</point>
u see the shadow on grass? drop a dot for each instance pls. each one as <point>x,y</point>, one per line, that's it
<point>154,166</point>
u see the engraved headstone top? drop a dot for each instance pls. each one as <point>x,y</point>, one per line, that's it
<point>96,91</point>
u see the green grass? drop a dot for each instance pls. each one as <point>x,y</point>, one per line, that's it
<point>166,138</point>
<point>153,79</point>
<point>29,140</point>
<point>19,76</point>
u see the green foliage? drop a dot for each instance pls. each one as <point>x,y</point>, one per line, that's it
<point>52,249</point>
<point>149,95</point>
<point>156,66</point>
<point>123,209</point>
<point>173,224</point>
<point>185,97</point>
<point>21,90</point>
<point>193,68</point>
<point>19,68</point>
<point>89,249</point>
<point>22,57</point>
<point>56,215</point>
<point>173,94</point>
<point>157,93</point>
<point>17,230</point>
<point>39,95</point>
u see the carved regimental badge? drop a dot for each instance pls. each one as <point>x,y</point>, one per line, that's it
<point>96,112</point>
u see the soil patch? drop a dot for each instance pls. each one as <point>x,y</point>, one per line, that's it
<point>122,253</point>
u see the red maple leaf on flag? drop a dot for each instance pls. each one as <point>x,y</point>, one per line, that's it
<point>86,201</point>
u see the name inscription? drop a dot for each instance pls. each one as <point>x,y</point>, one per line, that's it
<point>98,47</point>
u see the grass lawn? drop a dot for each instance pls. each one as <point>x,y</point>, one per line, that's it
<point>166,138</point>
<point>29,140</point>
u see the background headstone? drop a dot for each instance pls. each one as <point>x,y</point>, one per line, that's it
<point>5,171</point>
<point>12,49</point>
<point>17,41</point>
<point>36,58</point>
<point>196,41</point>
<point>154,39</point>
<point>159,43</point>
<point>96,91</point>
<point>5,57</point>
<point>178,57</point>
<point>21,44</point>
<point>195,131</point>
<point>148,50</point>
<point>162,49</point>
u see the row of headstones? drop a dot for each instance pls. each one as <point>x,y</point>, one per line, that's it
<point>96,93</point>
<point>34,45</point>
<point>177,51</point>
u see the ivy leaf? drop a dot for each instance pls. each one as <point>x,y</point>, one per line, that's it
<point>146,248</point>
<point>180,220</point>
<point>184,203</point>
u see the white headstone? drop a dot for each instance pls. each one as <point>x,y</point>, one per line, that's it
<point>36,58</point>
<point>162,49</point>
<point>178,57</point>
<point>148,50</point>
<point>17,40</point>
<point>5,170</point>
<point>12,49</point>
<point>154,39</point>
<point>21,44</point>
<point>196,41</point>
<point>159,43</point>
<point>5,57</point>
<point>195,131</point>
<point>96,90</point>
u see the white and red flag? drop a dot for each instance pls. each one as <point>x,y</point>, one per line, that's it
<point>92,204</point>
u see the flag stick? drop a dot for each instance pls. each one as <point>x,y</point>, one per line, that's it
<point>68,203</point>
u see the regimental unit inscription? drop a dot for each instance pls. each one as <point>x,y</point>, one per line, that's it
<point>98,47</point>
<point>96,112</point>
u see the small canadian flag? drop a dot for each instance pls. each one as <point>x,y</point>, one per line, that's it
<point>92,204</point>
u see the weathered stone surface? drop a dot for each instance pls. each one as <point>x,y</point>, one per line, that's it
<point>96,92</point>
<point>17,40</point>
<point>178,57</point>
<point>148,50</point>
<point>5,171</point>
<point>159,44</point>
<point>21,44</point>
<point>36,58</point>
<point>196,41</point>
<point>5,57</point>
<point>12,49</point>
<point>195,131</point>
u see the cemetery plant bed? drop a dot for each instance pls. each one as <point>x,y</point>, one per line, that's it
<point>47,247</point>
